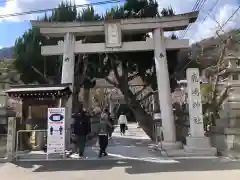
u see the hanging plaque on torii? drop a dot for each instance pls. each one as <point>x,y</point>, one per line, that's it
<point>113,34</point>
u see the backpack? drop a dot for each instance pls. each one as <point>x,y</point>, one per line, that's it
<point>81,126</point>
<point>103,128</point>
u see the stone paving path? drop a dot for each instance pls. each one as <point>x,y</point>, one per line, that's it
<point>130,158</point>
<point>134,145</point>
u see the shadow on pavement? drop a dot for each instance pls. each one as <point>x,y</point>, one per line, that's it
<point>123,147</point>
<point>130,140</point>
<point>136,158</point>
<point>131,166</point>
<point>126,148</point>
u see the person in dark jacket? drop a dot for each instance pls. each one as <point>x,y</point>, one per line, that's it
<point>110,128</point>
<point>81,129</point>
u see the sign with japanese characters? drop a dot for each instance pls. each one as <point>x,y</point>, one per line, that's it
<point>195,103</point>
<point>56,131</point>
<point>112,35</point>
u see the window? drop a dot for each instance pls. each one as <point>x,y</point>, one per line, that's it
<point>235,77</point>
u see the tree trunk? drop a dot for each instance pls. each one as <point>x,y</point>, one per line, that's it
<point>145,120</point>
<point>79,77</point>
<point>156,107</point>
<point>75,101</point>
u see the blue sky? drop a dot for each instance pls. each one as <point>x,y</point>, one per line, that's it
<point>14,27</point>
<point>10,31</point>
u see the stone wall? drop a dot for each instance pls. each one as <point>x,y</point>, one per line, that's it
<point>8,108</point>
<point>225,139</point>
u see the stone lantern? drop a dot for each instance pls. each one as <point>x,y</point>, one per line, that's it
<point>231,106</point>
<point>227,127</point>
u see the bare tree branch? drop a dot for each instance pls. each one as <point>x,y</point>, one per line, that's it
<point>140,91</point>
<point>216,99</point>
<point>77,66</point>
<point>125,71</point>
<point>115,69</point>
<point>146,103</point>
<point>131,77</point>
<point>146,96</point>
<point>115,84</point>
<point>47,80</point>
<point>223,96</point>
<point>100,104</point>
<point>83,74</point>
<point>221,59</point>
<point>100,97</point>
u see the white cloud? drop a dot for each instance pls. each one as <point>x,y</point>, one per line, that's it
<point>18,6</point>
<point>207,28</point>
<point>1,47</point>
<point>198,30</point>
<point>177,5</point>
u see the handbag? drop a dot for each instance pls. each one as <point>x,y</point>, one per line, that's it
<point>73,138</point>
<point>126,127</point>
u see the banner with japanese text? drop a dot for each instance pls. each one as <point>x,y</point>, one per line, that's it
<point>195,102</point>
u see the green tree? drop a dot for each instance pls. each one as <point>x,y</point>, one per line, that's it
<point>31,64</point>
<point>36,68</point>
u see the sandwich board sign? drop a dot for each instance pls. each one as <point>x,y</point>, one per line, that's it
<point>56,131</point>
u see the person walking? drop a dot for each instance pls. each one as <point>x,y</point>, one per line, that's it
<point>110,128</point>
<point>122,121</point>
<point>103,133</point>
<point>81,129</point>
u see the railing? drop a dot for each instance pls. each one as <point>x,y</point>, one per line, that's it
<point>158,134</point>
<point>31,140</point>
<point>32,144</point>
<point>3,145</point>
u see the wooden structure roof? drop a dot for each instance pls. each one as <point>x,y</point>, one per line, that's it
<point>39,91</point>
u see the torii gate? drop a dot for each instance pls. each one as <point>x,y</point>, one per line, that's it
<point>113,43</point>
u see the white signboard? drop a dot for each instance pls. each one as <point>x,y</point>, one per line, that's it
<point>56,131</point>
<point>195,103</point>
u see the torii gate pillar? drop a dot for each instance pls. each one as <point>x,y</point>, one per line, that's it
<point>164,91</point>
<point>68,65</point>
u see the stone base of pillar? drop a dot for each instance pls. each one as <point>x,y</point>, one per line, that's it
<point>199,146</point>
<point>171,145</point>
